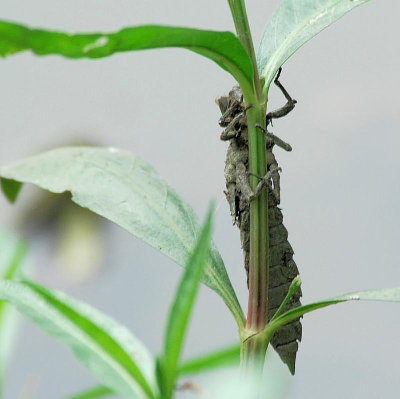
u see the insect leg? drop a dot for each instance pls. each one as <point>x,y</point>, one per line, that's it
<point>289,106</point>
<point>242,180</point>
<point>275,139</point>
<point>230,132</point>
<point>266,182</point>
<point>276,180</point>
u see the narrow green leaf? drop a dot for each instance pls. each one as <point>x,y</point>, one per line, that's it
<point>128,191</point>
<point>12,254</point>
<point>93,393</point>
<point>182,305</point>
<point>224,48</point>
<point>106,348</point>
<point>10,188</point>
<point>16,262</point>
<point>294,23</point>
<point>384,294</point>
<point>294,287</point>
<point>10,273</point>
<point>221,358</point>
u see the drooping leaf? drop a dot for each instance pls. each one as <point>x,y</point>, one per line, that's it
<point>292,24</point>
<point>106,348</point>
<point>182,306</point>
<point>12,254</point>
<point>10,188</point>
<point>98,391</point>
<point>384,294</point>
<point>221,358</point>
<point>222,47</point>
<point>128,191</point>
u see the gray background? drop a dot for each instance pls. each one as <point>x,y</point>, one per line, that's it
<point>340,189</point>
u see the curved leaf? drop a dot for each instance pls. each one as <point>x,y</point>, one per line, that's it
<point>294,23</point>
<point>384,294</point>
<point>106,348</point>
<point>127,190</point>
<point>224,48</point>
<point>182,306</point>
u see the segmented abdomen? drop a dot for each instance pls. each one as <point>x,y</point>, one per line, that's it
<point>283,268</point>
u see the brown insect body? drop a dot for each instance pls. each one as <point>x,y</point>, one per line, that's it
<point>283,268</point>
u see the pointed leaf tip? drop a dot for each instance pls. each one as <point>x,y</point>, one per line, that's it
<point>10,188</point>
<point>182,305</point>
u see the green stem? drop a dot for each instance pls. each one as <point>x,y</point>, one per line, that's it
<point>254,346</point>
<point>252,354</point>
<point>239,14</point>
<point>259,237</point>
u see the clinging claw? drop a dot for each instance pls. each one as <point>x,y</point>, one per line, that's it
<point>288,107</point>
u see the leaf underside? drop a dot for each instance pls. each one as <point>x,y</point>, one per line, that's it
<point>128,191</point>
<point>293,24</point>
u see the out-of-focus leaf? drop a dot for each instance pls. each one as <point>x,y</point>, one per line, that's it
<point>225,357</point>
<point>12,254</point>
<point>222,47</point>
<point>128,191</point>
<point>93,393</point>
<point>10,188</point>
<point>106,348</point>
<point>11,271</point>
<point>292,24</point>
<point>182,306</point>
<point>221,358</point>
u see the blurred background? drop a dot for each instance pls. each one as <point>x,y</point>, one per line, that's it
<point>340,187</point>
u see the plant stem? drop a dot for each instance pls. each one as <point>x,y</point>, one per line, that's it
<point>253,345</point>
<point>259,238</point>
<point>239,14</point>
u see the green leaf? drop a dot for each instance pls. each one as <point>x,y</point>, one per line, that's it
<point>128,191</point>
<point>98,391</point>
<point>10,272</point>
<point>106,348</point>
<point>222,47</point>
<point>294,287</point>
<point>294,23</point>
<point>10,188</point>
<point>221,358</point>
<point>12,254</point>
<point>384,294</point>
<point>182,306</point>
